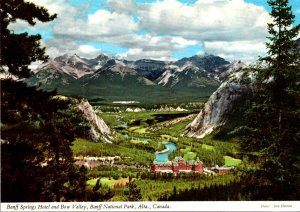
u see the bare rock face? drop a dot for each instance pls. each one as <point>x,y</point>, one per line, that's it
<point>99,130</point>
<point>219,108</point>
<point>216,111</point>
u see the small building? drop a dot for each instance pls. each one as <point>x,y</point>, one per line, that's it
<point>178,165</point>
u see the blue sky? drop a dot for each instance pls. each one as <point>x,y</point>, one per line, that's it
<point>156,29</point>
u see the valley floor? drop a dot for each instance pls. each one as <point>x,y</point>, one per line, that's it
<point>138,135</point>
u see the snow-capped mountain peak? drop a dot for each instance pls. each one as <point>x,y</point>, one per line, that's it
<point>71,65</point>
<point>71,60</point>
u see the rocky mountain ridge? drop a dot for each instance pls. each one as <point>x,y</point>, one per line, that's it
<point>150,69</point>
<point>89,125</point>
<point>99,131</point>
<point>113,79</point>
<point>72,65</point>
<point>218,108</point>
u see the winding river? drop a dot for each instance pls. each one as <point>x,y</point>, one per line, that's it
<point>162,156</point>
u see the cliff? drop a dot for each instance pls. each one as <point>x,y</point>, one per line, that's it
<point>217,110</point>
<point>99,131</point>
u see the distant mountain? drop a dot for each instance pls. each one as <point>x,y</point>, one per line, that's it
<point>111,79</point>
<point>116,81</point>
<point>209,63</point>
<point>72,65</point>
<point>222,112</point>
<point>188,75</point>
<point>151,69</point>
<point>97,62</point>
<point>60,72</point>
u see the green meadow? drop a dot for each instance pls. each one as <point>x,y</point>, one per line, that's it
<point>138,135</point>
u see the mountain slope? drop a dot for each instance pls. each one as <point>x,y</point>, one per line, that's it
<point>150,69</point>
<point>228,102</point>
<point>99,131</point>
<point>209,63</point>
<point>61,73</point>
<point>111,79</point>
<point>186,77</point>
<point>116,81</point>
<point>220,106</point>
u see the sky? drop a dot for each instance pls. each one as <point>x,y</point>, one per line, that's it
<point>155,29</point>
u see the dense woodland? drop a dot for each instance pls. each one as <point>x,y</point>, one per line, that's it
<point>39,127</point>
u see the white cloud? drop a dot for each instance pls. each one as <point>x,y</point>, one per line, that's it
<point>205,20</point>
<point>135,54</point>
<point>60,46</point>
<point>111,23</point>
<point>53,6</point>
<point>128,6</point>
<point>232,28</point>
<point>153,47</point>
<point>244,50</point>
<point>60,7</point>
<point>88,51</point>
<point>227,27</point>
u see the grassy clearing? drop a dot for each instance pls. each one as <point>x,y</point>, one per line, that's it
<point>230,161</point>
<point>131,116</point>
<point>208,147</point>
<point>104,181</point>
<point>224,146</point>
<point>190,156</point>
<point>141,130</point>
<point>174,129</point>
<point>186,150</point>
<point>160,116</point>
<point>133,128</point>
<point>110,119</point>
<point>128,154</point>
<point>138,141</point>
<point>138,129</point>
<point>168,138</point>
<point>203,149</point>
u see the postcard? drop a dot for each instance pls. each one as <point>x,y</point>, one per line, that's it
<point>150,105</point>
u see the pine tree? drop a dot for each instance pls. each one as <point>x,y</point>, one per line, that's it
<point>272,141</point>
<point>134,193</point>
<point>19,50</point>
<point>37,128</point>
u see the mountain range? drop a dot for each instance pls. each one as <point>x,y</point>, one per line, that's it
<point>107,78</point>
<point>223,109</point>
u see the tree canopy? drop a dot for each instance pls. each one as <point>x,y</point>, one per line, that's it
<point>272,138</point>
<point>19,50</point>
<point>37,127</point>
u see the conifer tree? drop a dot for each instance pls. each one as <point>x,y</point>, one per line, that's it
<point>134,193</point>
<point>37,128</point>
<point>19,50</point>
<point>272,140</point>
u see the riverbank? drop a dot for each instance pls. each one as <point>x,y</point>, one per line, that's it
<point>163,155</point>
<point>164,150</point>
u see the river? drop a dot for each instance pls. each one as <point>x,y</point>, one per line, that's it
<point>162,157</point>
